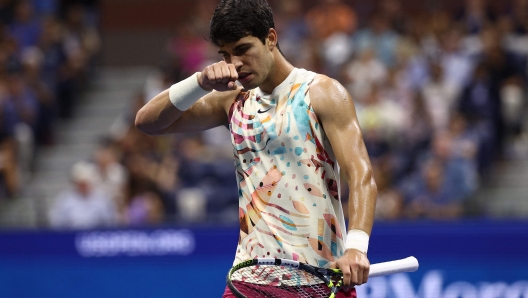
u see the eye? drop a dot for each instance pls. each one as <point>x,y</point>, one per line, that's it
<point>241,50</point>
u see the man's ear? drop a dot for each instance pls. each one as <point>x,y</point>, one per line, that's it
<point>272,39</point>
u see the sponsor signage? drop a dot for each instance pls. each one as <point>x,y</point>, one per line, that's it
<point>472,259</point>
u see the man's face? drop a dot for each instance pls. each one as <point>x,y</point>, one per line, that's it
<point>251,58</point>
<point>84,187</point>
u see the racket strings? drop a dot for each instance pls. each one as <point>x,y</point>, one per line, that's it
<point>278,281</point>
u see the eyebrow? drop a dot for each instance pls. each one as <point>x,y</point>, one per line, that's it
<point>236,48</point>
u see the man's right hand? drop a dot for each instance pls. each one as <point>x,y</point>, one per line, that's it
<point>218,76</point>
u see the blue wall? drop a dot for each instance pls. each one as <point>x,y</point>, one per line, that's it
<point>457,259</point>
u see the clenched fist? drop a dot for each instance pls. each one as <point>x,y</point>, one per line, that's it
<point>219,76</point>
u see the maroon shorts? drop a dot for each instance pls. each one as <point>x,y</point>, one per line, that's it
<point>277,292</point>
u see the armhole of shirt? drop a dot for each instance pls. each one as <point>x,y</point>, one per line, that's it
<point>240,97</point>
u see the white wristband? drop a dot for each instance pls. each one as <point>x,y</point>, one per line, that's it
<point>357,239</point>
<point>185,93</point>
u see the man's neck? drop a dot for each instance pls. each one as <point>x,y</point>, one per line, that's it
<point>280,71</point>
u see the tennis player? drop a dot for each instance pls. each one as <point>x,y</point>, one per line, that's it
<point>292,131</point>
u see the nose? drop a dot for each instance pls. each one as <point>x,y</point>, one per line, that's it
<point>237,62</point>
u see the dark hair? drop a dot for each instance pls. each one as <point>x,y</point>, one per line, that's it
<point>235,19</point>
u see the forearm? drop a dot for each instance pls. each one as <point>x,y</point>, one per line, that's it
<point>168,106</point>
<point>157,114</point>
<point>177,110</point>
<point>362,203</point>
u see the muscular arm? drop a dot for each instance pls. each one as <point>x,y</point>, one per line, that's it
<point>336,112</point>
<point>160,116</point>
<point>335,109</point>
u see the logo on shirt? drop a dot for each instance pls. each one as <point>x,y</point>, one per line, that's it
<point>262,112</point>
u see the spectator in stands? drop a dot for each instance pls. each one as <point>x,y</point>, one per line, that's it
<point>415,51</point>
<point>519,16</point>
<point>439,94</point>
<point>144,205</point>
<point>80,44</point>
<point>434,196</point>
<point>395,15</point>
<point>81,37</point>
<point>413,140</point>
<point>503,66</point>
<point>294,31</point>
<point>479,103</point>
<point>32,60</point>
<point>24,100</point>
<point>187,50</point>
<point>330,17</point>
<point>84,205</point>
<point>6,11</point>
<point>109,174</point>
<point>457,65</point>
<point>50,44</point>
<point>365,73</point>
<point>7,110</point>
<point>476,15</point>
<point>380,36</point>
<point>45,8</point>
<point>13,149</point>
<point>390,202</point>
<point>9,176</point>
<point>330,24</point>
<point>25,27</point>
<point>448,168</point>
<point>149,161</point>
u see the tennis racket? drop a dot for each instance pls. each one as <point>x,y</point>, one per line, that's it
<point>270,277</point>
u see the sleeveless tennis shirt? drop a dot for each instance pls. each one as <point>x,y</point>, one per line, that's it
<point>288,178</point>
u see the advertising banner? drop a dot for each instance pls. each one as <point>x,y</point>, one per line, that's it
<point>473,259</point>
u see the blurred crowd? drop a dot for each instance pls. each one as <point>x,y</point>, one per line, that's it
<point>47,51</point>
<point>440,94</point>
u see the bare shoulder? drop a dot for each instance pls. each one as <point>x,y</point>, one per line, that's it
<point>324,84</point>
<point>327,95</point>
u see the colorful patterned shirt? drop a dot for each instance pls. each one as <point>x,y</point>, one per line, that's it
<point>288,178</point>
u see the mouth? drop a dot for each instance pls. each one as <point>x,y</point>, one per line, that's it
<point>244,77</point>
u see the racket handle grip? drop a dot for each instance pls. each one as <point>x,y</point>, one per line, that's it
<point>409,264</point>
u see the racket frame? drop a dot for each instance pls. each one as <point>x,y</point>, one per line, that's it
<point>409,264</point>
<point>321,273</point>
